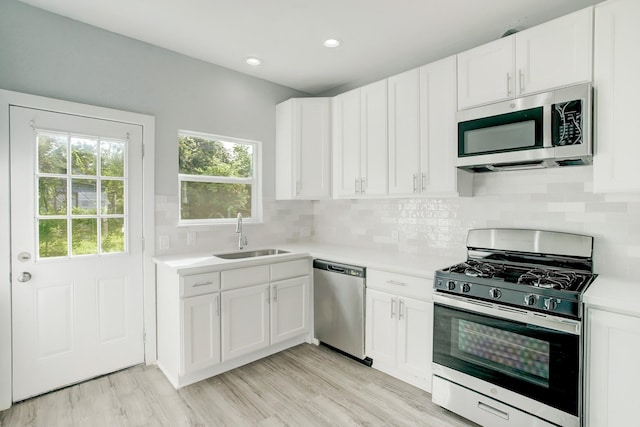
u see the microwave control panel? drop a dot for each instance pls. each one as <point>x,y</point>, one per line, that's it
<point>566,123</point>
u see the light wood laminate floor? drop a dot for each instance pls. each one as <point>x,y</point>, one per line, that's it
<point>303,386</point>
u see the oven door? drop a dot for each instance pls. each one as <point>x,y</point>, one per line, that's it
<point>539,362</point>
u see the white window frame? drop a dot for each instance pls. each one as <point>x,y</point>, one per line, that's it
<point>255,181</point>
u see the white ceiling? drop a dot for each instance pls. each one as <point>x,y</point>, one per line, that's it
<point>380,37</point>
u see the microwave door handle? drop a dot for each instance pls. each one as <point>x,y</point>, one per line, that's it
<point>498,168</point>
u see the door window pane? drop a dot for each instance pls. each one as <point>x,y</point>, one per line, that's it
<point>113,235</point>
<point>112,158</point>
<point>53,238</point>
<point>52,196</point>
<point>84,195</point>
<point>84,152</point>
<point>84,236</point>
<point>112,200</point>
<point>52,153</point>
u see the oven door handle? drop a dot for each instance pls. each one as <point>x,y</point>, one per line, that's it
<point>540,320</point>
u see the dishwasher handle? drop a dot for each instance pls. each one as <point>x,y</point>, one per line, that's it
<point>338,268</point>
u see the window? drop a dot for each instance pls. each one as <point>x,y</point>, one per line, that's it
<point>218,178</point>
<point>82,193</point>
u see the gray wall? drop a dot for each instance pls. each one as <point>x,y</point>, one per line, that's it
<point>46,54</point>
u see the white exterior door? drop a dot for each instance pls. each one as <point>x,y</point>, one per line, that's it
<point>76,247</point>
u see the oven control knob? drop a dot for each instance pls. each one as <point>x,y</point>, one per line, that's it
<point>466,287</point>
<point>451,285</point>
<point>529,299</point>
<point>550,304</point>
<point>495,293</point>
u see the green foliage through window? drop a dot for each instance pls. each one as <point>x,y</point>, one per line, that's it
<point>217,177</point>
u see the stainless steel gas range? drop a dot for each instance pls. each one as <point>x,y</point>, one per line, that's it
<point>508,328</point>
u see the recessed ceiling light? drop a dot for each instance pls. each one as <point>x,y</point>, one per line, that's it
<point>332,43</point>
<point>253,61</point>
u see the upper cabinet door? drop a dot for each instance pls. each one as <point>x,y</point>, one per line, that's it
<point>346,144</point>
<point>404,133</point>
<point>303,144</point>
<point>373,170</point>
<point>556,53</point>
<point>486,73</point>
<point>617,145</point>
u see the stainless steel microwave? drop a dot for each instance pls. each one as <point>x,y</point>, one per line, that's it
<point>537,131</point>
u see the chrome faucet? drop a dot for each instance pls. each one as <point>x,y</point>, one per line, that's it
<point>242,239</point>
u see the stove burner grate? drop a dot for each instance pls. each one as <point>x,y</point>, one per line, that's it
<point>549,279</point>
<point>476,269</point>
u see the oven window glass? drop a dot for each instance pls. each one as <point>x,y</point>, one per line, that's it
<point>500,138</point>
<point>538,362</point>
<point>513,354</point>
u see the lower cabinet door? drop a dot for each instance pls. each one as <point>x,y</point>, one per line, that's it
<point>380,332</point>
<point>415,323</point>
<point>245,321</point>
<point>201,332</point>
<point>289,308</point>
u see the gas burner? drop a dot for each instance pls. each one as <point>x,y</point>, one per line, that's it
<point>476,269</point>
<point>549,279</point>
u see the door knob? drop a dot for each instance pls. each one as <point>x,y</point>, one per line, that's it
<point>24,277</point>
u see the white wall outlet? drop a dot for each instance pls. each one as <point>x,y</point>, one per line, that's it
<point>305,232</point>
<point>192,236</point>
<point>164,242</point>
<point>395,236</point>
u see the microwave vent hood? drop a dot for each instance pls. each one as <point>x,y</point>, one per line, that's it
<point>542,130</point>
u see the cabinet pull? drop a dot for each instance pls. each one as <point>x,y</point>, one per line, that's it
<point>218,305</point>
<point>521,76</point>
<point>508,84</point>
<point>356,186</point>
<point>424,182</point>
<point>393,303</point>
<point>494,411</point>
<point>415,183</point>
<point>275,293</point>
<point>400,304</point>
<point>362,187</point>
<point>195,285</point>
<point>396,283</point>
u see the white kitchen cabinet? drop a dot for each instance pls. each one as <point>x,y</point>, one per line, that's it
<point>612,369</point>
<point>398,327</point>
<point>422,133</point>
<point>360,142</point>
<point>289,308</point>
<point>617,90</point>
<point>201,332</point>
<point>303,145</point>
<point>216,318</point>
<point>553,54</point>
<point>245,321</point>
<point>404,133</point>
<point>485,73</point>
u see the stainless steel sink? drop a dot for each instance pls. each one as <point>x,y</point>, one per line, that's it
<point>251,254</point>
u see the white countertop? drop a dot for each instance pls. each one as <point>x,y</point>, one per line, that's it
<point>614,294</point>
<point>417,265</point>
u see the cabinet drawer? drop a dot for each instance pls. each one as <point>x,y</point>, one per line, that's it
<point>286,270</point>
<point>199,284</point>
<point>400,284</point>
<point>241,277</point>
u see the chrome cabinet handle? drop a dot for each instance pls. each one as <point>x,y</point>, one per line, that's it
<point>357,190</point>
<point>24,277</point>
<point>508,84</point>
<point>415,183</point>
<point>362,187</point>
<point>218,305</point>
<point>396,283</point>
<point>393,303</point>
<point>195,285</point>
<point>521,75</point>
<point>400,315</point>
<point>424,181</point>
<point>275,293</point>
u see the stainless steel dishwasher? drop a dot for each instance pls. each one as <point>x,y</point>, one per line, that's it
<point>339,307</point>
